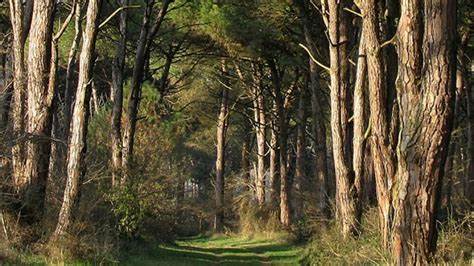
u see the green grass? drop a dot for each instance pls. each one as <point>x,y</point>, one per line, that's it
<point>219,250</point>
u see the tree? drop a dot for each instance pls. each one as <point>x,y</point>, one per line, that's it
<point>222,124</point>
<point>425,87</point>
<point>147,33</point>
<point>382,154</point>
<point>260,133</point>
<point>117,96</point>
<point>338,27</point>
<point>77,145</point>
<point>20,20</point>
<point>40,97</point>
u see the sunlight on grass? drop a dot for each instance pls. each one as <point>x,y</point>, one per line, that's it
<point>221,250</point>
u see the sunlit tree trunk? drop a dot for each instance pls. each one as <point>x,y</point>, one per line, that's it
<point>273,177</point>
<point>382,154</point>
<point>359,120</point>
<point>20,31</point>
<point>77,145</point>
<point>222,124</point>
<point>339,74</point>
<point>40,97</point>
<point>426,51</point>
<point>260,132</point>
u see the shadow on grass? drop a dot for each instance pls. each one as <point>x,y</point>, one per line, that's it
<point>188,252</point>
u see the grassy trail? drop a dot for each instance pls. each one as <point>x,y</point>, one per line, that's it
<point>220,250</point>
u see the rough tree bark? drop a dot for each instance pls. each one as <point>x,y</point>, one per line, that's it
<point>359,123</point>
<point>77,142</point>
<point>425,89</point>
<point>117,96</point>
<point>222,124</point>
<point>40,97</point>
<point>337,22</point>
<point>20,31</point>
<point>382,154</point>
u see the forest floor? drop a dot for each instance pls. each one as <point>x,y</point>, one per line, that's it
<point>219,250</point>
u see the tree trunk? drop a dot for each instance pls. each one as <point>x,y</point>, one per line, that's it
<point>69,90</point>
<point>57,147</point>
<point>285,211</point>
<point>260,127</point>
<point>40,97</point>
<point>425,95</point>
<point>17,14</point>
<point>339,75</point>
<point>78,143</point>
<point>273,177</point>
<point>359,124</point>
<point>222,124</point>
<point>382,154</point>
<point>145,40</point>
<point>300,178</point>
<point>117,96</point>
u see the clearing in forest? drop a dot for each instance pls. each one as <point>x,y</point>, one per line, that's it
<point>220,250</point>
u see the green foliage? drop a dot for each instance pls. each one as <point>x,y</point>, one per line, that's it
<point>128,209</point>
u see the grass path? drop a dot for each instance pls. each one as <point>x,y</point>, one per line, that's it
<point>219,250</point>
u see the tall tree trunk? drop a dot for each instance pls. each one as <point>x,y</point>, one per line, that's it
<point>382,154</point>
<point>222,124</point>
<point>260,127</point>
<point>77,142</point>
<point>300,178</point>
<point>425,95</point>
<point>359,124</point>
<point>57,147</point>
<point>117,96</point>
<point>273,177</point>
<point>17,13</point>
<point>285,210</point>
<point>69,90</point>
<point>339,73</point>
<point>145,40</point>
<point>40,97</point>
